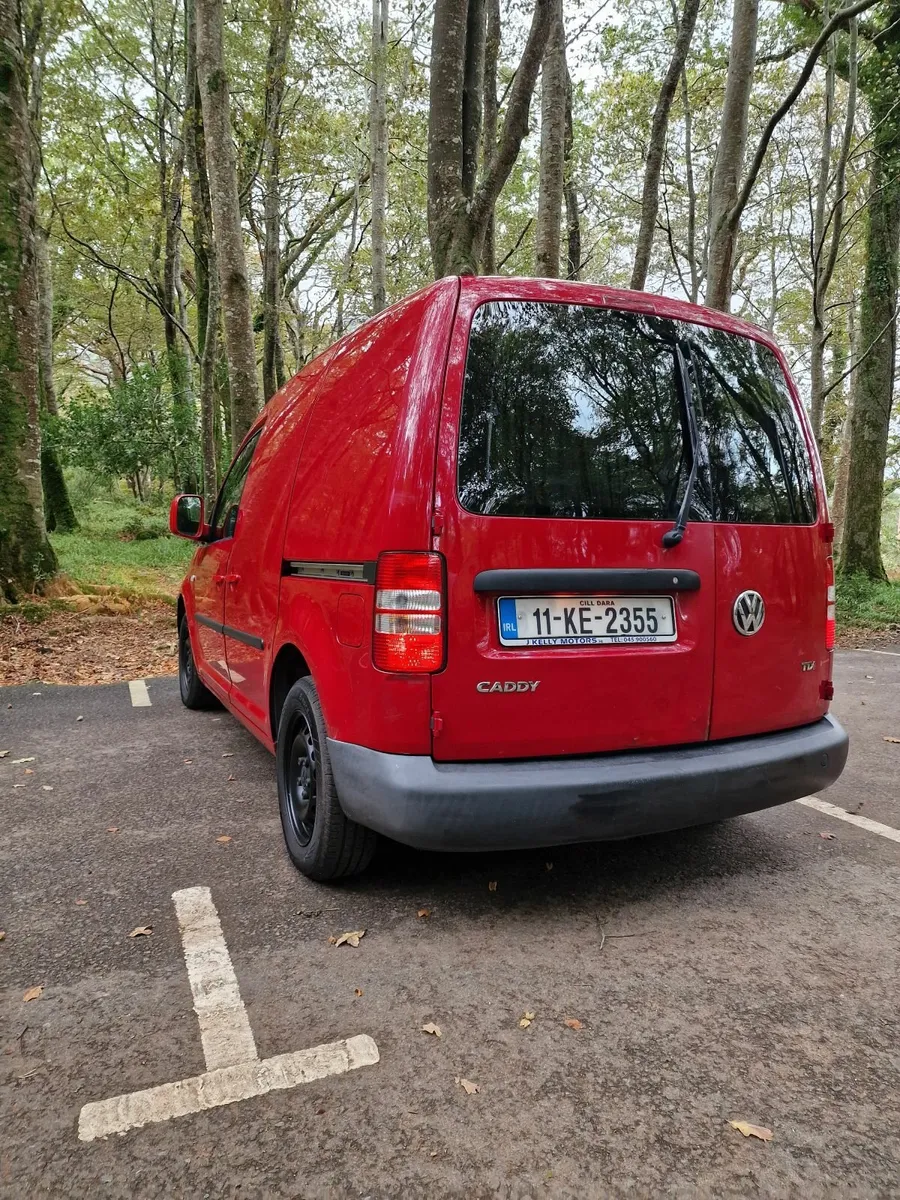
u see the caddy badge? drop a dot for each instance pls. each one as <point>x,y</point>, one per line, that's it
<point>508,685</point>
<point>748,613</point>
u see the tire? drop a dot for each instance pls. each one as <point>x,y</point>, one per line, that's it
<point>194,692</point>
<point>323,843</point>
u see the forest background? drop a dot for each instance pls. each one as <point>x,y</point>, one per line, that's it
<point>197,197</point>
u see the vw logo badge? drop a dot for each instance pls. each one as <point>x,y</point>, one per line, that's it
<point>748,613</point>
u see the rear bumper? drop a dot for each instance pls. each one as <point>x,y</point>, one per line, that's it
<point>551,802</point>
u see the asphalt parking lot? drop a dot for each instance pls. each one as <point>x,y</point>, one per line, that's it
<point>746,971</point>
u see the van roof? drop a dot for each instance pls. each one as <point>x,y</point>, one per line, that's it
<point>499,287</point>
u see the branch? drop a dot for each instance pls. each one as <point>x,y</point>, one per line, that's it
<point>837,22</point>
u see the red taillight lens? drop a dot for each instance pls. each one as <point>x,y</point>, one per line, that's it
<point>409,612</point>
<point>829,603</point>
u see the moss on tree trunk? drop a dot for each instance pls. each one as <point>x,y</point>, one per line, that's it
<point>26,557</point>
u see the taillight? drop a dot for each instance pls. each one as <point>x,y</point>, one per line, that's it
<point>409,612</point>
<point>829,603</point>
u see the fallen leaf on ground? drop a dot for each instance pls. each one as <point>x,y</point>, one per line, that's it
<point>188,762</point>
<point>112,829</point>
<point>81,901</point>
<point>16,761</point>
<point>79,718</point>
<point>526,1020</point>
<point>28,771</point>
<point>223,838</point>
<point>2,935</point>
<point>492,886</point>
<point>228,754</point>
<point>896,741</point>
<point>748,1130</point>
<point>469,1088</point>
<point>142,931</point>
<point>829,837</point>
<point>4,753</point>
<point>46,787</point>
<point>423,913</point>
<point>431,1028</point>
<point>573,1023</point>
<point>357,991</point>
<point>348,939</point>
<point>230,779</point>
<point>33,993</point>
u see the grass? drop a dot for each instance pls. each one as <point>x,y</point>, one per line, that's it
<point>123,544</point>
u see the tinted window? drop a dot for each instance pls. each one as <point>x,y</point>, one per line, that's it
<point>758,468</point>
<point>225,516</point>
<point>571,411</point>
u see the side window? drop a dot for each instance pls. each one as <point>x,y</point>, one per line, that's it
<point>226,511</point>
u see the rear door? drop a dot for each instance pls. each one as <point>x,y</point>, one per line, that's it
<point>771,654</point>
<point>563,459</point>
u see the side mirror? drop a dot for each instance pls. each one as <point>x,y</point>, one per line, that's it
<point>186,517</point>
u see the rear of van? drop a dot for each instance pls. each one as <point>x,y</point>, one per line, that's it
<point>625,609</point>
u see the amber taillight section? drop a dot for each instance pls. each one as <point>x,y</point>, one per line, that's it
<point>409,628</point>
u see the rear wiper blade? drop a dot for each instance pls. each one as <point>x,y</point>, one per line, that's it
<point>674,535</point>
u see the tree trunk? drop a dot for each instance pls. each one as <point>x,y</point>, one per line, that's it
<point>657,145</point>
<point>58,512</point>
<point>489,123</point>
<point>206,281</point>
<point>732,145</point>
<point>26,557</point>
<point>878,337</point>
<point>223,187</point>
<point>553,149</point>
<point>457,224</point>
<point>378,137</point>
<point>282,19</point>
<point>573,214</point>
<point>842,471</point>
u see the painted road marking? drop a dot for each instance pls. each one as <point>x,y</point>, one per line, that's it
<point>140,697</point>
<point>234,1069</point>
<point>224,1025</point>
<point>865,650</point>
<point>832,810</point>
<point>225,1086</point>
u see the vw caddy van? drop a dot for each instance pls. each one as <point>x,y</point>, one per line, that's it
<point>521,563</point>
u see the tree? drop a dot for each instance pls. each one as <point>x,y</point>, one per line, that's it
<point>378,139</point>
<point>26,556</point>
<point>554,79</point>
<point>221,168</point>
<point>657,144</point>
<point>860,550</point>
<point>459,204</point>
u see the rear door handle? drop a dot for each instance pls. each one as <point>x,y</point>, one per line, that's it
<point>218,580</point>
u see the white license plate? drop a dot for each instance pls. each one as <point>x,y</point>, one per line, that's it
<point>585,620</point>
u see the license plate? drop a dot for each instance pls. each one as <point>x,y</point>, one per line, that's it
<point>585,620</point>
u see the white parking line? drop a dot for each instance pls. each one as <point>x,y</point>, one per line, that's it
<point>234,1069</point>
<point>866,650</point>
<point>140,697</point>
<point>832,810</point>
<point>224,1026</point>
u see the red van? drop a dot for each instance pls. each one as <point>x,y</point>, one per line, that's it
<point>520,563</point>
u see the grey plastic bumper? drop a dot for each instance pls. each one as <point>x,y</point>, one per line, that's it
<point>550,802</point>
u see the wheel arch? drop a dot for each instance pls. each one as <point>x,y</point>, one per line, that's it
<point>289,666</point>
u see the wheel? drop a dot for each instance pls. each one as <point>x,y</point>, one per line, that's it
<point>194,692</point>
<point>323,843</point>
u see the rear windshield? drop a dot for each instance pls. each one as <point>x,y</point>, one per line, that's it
<point>571,411</point>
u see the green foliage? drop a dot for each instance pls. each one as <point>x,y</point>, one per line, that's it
<point>864,603</point>
<point>127,430</point>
